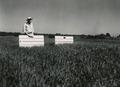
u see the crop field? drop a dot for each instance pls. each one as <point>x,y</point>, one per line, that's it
<point>88,63</point>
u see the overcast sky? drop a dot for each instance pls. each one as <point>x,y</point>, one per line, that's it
<point>62,16</point>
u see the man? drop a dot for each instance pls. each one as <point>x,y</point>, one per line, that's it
<point>28,27</point>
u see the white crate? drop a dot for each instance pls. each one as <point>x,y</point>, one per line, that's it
<point>64,40</point>
<point>26,41</point>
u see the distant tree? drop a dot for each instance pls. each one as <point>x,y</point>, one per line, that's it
<point>100,36</point>
<point>58,33</point>
<point>108,35</point>
<point>9,33</point>
<point>51,36</point>
<point>118,37</point>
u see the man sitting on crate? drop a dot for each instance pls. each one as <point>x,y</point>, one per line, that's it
<point>28,27</point>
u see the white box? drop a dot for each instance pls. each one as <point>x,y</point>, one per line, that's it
<point>26,41</point>
<point>64,40</point>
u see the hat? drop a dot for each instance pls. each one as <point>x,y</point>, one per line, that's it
<point>29,18</point>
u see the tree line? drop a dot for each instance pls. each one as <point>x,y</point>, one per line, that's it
<point>98,36</point>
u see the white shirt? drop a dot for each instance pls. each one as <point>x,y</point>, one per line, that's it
<point>28,28</point>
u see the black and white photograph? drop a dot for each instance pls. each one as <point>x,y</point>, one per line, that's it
<point>59,43</point>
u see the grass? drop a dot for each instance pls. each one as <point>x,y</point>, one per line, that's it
<point>83,64</point>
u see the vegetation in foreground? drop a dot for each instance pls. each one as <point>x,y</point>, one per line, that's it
<point>78,65</point>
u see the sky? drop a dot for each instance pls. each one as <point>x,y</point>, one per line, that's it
<point>62,16</point>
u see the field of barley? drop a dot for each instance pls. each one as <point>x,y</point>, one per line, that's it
<point>87,63</point>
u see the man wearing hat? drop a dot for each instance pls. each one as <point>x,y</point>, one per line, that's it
<point>28,27</point>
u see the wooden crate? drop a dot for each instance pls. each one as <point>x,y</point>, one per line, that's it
<point>64,40</point>
<point>26,41</point>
